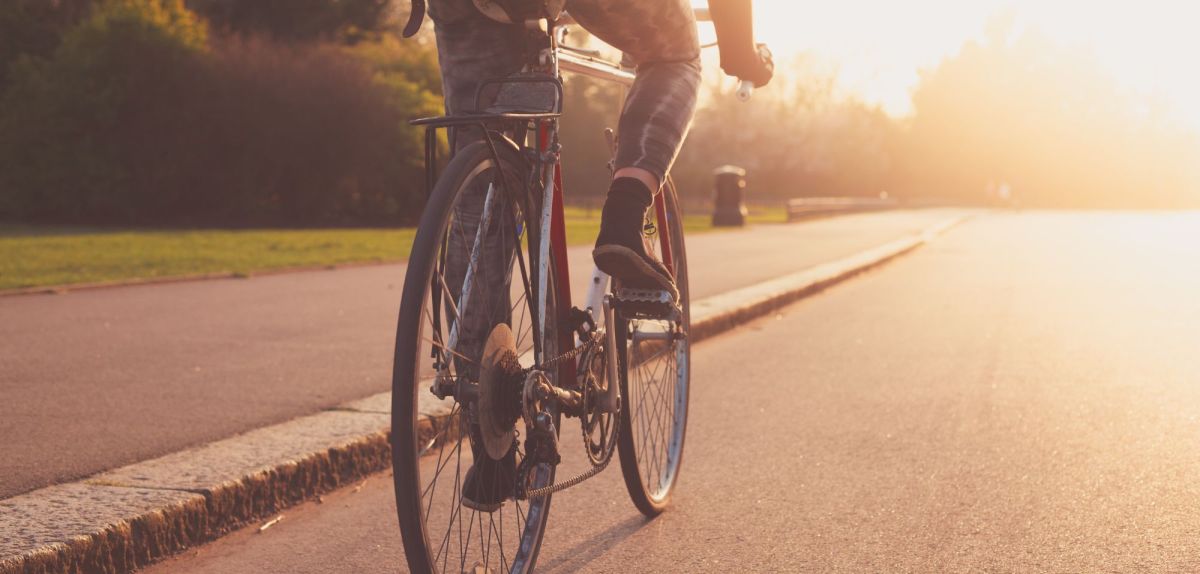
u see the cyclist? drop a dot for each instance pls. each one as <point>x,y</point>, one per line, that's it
<point>660,36</point>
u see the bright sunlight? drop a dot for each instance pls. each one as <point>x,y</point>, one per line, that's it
<point>878,48</point>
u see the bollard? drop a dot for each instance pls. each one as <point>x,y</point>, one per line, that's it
<point>729,209</point>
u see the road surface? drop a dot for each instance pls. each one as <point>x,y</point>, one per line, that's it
<point>1023,395</point>
<point>94,380</point>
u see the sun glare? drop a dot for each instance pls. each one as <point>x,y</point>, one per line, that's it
<point>878,47</point>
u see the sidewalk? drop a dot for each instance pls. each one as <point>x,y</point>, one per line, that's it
<point>98,379</point>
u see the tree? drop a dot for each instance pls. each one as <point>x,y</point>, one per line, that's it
<point>33,28</point>
<point>68,124</point>
<point>296,20</point>
<point>1048,121</point>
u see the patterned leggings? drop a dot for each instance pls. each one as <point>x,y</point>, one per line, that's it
<point>660,35</point>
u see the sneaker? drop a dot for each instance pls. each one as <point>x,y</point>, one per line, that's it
<point>489,483</point>
<point>621,250</point>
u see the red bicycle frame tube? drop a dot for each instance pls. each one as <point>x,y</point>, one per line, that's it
<point>664,232</point>
<point>558,249</point>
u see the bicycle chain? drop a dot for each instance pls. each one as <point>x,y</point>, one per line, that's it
<point>589,473</point>
<point>558,486</point>
<point>554,361</point>
<point>573,481</point>
<point>634,295</point>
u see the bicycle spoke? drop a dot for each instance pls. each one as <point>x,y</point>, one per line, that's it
<point>520,517</point>
<point>650,432</point>
<point>449,350</point>
<point>442,448</point>
<point>463,552</point>
<point>665,417</point>
<point>437,334</point>
<point>523,331</point>
<point>474,284</point>
<point>477,520</point>
<point>652,378</point>
<point>449,297</point>
<point>440,467</point>
<point>455,511</point>
<point>500,538</point>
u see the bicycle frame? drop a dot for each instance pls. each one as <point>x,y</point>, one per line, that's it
<point>558,58</point>
<point>551,59</point>
<point>593,67</point>
<point>517,164</point>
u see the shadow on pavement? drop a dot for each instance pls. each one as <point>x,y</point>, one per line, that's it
<point>580,555</point>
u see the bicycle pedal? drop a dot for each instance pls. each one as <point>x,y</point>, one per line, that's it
<point>628,295</point>
<point>647,304</point>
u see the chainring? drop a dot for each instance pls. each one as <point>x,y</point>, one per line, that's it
<point>599,428</point>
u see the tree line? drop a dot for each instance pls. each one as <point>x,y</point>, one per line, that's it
<point>213,112</point>
<point>294,113</point>
<point>1012,111</point>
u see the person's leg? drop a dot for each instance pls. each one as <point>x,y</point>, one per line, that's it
<point>473,48</point>
<point>661,37</point>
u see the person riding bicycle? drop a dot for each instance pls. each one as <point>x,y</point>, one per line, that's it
<point>480,40</point>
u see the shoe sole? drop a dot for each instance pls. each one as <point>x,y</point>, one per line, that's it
<point>480,507</point>
<point>631,269</point>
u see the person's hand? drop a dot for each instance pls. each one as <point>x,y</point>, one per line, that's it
<point>757,67</point>
<point>740,56</point>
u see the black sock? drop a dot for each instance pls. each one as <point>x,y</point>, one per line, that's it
<point>624,210</point>
<point>629,191</point>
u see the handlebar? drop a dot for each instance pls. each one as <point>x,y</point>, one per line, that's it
<point>745,89</point>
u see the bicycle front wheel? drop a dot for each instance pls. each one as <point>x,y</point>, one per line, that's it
<point>474,265</point>
<point>654,363</point>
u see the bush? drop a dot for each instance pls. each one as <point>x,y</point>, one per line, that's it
<point>135,119</point>
<point>34,28</point>
<point>305,135</point>
<point>296,20</point>
<point>71,127</point>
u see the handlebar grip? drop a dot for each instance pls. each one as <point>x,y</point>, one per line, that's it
<point>745,90</point>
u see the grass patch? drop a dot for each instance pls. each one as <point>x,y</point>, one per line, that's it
<point>584,224</point>
<point>37,256</point>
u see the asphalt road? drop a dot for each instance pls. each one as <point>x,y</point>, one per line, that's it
<point>1023,395</point>
<point>92,380</point>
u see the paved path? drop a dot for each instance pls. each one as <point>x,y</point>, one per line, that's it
<point>1020,396</point>
<point>93,380</point>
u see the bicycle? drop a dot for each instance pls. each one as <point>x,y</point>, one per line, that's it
<point>620,365</point>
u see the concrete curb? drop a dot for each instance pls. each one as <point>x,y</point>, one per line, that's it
<point>720,313</point>
<point>132,516</point>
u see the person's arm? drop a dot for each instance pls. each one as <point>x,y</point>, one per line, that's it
<point>740,57</point>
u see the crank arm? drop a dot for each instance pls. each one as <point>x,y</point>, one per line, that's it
<point>610,401</point>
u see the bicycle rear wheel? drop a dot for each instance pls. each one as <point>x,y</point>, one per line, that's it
<point>474,265</point>
<point>655,373</point>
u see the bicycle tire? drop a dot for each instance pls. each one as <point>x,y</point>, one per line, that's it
<point>415,434</point>
<point>651,466</point>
